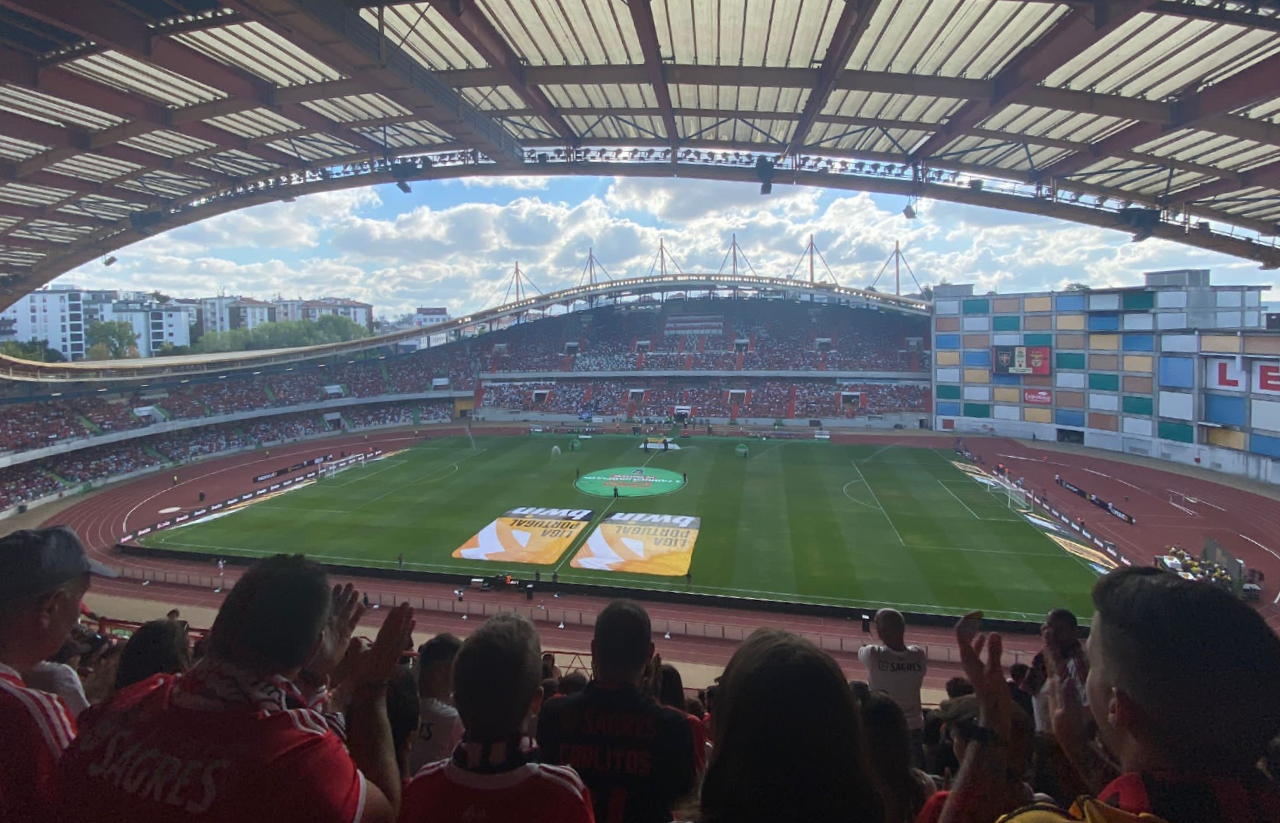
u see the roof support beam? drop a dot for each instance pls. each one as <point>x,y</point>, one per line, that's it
<point>469,20</point>
<point>1195,11</point>
<point>1267,176</point>
<point>28,213</point>
<point>849,29</point>
<point>647,33</point>
<point>1258,82</point>
<point>1067,39</point>
<point>334,32</point>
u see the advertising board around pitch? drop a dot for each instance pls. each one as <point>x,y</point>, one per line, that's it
<point>528,534</point>
<point>658,544</point>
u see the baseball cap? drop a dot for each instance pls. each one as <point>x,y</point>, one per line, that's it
<point>34,561</point>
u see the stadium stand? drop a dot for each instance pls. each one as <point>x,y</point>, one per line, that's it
<point>672,343</point>
<point>1207,751</point>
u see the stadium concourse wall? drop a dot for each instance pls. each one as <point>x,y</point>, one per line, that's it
<point>168,426</point>
<point>90,485</point>
<point>1257,467</point>
<point>921,378</point>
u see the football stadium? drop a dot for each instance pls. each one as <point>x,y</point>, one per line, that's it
<point>256,541</point>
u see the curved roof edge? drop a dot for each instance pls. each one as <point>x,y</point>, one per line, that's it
<point>733,164</point>
<point>121,370</point>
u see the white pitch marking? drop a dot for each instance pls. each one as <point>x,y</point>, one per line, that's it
<point>878,503</point>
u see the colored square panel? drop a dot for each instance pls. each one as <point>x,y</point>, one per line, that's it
<point>1105,422</point>
<point>948,392</point>
<point>1008,323</point>
<point>1006,305</point>
<point>1070,302</point>
<point>1104,342</point>
<point>1104,382</point>
<point>1037,322</point>
<point>1070,341</point>
<point>977,358</point>
<point>949,409</point>
<point>1220,343</point>
<point>1032,415</point>
<point>1104,362</point>
<point>1138,300</point>
<point>1069,360</point>
<point>1138,385</point>
<point>977,341</point>
<point>1226,438</point>
<point>1007,395</point>
<point>1139,342</point>
<point>977,410</point>
<point>1036,381</point>
<point>1069,417</point>
<point>1104,322</point>
<point>976,305</point>
<point>1037,304</point>
<point>1177,372</point>
<point>1071,322</point>
<point>947,323</point>
<point>977,375</point>
<point>1071,399</point>
<point>1037,339</point>
<point>1132,404</point>
<point>1179,432</point>
<point>946,341</point>
<point>946,358</point>
<point>1137,362</point>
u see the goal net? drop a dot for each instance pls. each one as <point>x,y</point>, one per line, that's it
<point>1012,497</point>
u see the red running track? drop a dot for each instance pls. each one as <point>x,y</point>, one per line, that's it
<point>1227,514</point>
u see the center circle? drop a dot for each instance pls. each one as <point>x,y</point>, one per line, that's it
<point>630,481</point>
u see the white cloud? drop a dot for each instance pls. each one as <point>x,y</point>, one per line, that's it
<point>346,243</point>
<point>522,183</point>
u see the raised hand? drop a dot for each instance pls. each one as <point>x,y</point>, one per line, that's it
<point>346,613</point>
<point>987,677</point>
<point>374,665</point>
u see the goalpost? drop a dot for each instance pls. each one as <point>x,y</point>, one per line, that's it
<point>1012,497</point>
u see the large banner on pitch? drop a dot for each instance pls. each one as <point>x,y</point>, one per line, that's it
<point>1020,360</point>
<point>526,535</point>
<point>660,544</point>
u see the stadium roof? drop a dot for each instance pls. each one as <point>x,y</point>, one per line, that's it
<point>123,118</point>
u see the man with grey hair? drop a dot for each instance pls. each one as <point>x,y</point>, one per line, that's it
<point>43,575</point>
<point>898,670</point>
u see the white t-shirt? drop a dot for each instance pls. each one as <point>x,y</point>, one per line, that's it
<point>439,730</point>
<point>898,674</point>
<point>59,679</point>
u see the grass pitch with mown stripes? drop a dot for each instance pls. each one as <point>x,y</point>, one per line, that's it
<point>797,521</point>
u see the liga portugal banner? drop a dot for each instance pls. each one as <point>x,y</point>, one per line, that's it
<point>660,544</point>
<point>1020,360</point>
<point>526,535</point>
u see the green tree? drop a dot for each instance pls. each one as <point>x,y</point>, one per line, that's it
<point>117,335</point>
<point>170,350</point>
<point>287,334</point>
<point>37,350</point>
<point>98,351</point>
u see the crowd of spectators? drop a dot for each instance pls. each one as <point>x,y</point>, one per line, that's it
<point>778,336</point>
<point>24,483</point>
<point>192,443</point>
<point>99,462</point>
<point>489,728</point>
<point>26,426</point>
<point>284,427</point>
<point>382,414</point>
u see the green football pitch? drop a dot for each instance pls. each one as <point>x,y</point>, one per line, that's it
<point>809,522</point>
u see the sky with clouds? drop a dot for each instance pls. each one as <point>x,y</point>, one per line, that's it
<point>455,243</point>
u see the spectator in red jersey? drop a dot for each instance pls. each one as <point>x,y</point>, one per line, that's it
<point>44,573</point>
<point>403,712</point>
<point>439,726</point>
<point>236,738</point>
<point>607,730</point>
<point>1163,654</point>
<point>158,647</point>
<point>669,689</point>
<point>788,741</point>
<point>494,775</point>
